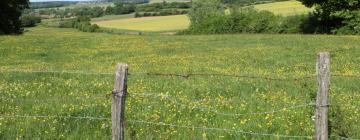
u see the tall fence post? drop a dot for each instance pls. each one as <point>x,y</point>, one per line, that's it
<point>322,103</point>
<point>118,102</point>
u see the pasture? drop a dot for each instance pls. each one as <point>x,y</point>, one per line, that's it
<point>151,24</point>
<point>51,78</point>
<point>285,8</point>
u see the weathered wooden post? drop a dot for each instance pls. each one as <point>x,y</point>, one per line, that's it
<point>118,102</point>
<point>322,103</point>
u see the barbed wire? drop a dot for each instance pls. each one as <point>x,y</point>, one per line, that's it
<point>219,129</point>
<point>63,117</point>
<point>155,95</point>
<point>345,75</point>
<point>51,98</point>
<point>235,114</point>
<point>61,72</point>
<point>55,99</point>
<point>185,75</point>
<point>188,75</point>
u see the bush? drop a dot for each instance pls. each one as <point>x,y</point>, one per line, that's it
<point>29,20</point>
<point>351,24</point>
<point>209,18</point>
<point>157,7</point>
<point>67,23</point>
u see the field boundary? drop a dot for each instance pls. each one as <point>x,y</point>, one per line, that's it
<point>120,93</point>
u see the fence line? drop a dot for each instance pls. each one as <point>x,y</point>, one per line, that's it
<point>64,117</point>
<point>57,99</point>
<point>61,72</point>
<point>237,114</point>
<point>186,75</point>
<point>168,74</point>
<point>154,95</point>
<point>219,129</point>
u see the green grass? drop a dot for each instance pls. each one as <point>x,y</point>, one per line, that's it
<point>152,24</point>
<point>285,8</point>
<point>63,94</point>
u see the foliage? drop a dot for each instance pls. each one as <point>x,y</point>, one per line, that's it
<point>157,7</point>
<point>50,4</point>
<point>30,20</point>
<point>77,11</point>
<point>10,12</point>
<point>335,15</point>
<point>70,94</point>
<point>203,9</point>
<point>248,2</point>
<point>81,23</point>
<point>121,8</point>
<point>210,19</point>
<point>164,12</point>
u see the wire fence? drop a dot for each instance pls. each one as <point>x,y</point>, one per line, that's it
<point>188,75</point>
<point>169,98</point>
<point>177,102</point>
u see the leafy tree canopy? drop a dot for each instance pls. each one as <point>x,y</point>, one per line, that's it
<point>335,14</point>
<point>10,12</point>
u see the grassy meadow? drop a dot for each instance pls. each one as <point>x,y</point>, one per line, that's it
<point>36,80</point>
<point>159,23</point>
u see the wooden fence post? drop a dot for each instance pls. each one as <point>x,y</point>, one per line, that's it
<point>118,102</point>
<point>322,103</point>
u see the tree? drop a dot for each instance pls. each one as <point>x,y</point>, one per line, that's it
<point>333,14</point>
<point>10,12</point>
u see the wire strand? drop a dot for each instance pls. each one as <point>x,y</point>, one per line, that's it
<point>219,129</point>
<point>236,114</point>
<point>64,117</point>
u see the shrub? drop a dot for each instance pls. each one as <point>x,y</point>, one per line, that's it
<point>209,18</point>
<point>29,20</point>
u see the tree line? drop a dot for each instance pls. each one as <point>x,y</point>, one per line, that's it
<point>329,17</point>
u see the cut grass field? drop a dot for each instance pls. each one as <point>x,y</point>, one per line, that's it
<point>285,8</point>
<point>30,85</point>
<point>160,23</point>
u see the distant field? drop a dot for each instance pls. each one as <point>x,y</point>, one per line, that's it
<point>161,23</point>
<point>285,8</point>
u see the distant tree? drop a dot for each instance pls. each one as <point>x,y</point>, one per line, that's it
<point>10,12</point>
